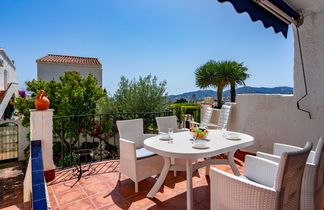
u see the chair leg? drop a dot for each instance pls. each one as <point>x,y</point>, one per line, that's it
<point>207,169</point>
<point>136,187</point>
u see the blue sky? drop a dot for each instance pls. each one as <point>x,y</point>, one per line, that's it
<point>167,38</point>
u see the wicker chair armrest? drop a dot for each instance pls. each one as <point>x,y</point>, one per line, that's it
<point>232,192</point>
<point>127,150</point>
<point>193,122</point>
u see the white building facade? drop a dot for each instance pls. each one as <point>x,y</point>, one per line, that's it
<point>51,67</point>
<point>8,81</point>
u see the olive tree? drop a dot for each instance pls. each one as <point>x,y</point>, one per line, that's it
<point>143,95</point>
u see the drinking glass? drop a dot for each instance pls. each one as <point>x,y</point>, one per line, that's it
<point>223,131</point>
<point>192,136</point>
<point>170,132</point>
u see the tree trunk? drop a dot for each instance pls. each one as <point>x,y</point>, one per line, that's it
<point>233,92</point>
<point>219,96</point>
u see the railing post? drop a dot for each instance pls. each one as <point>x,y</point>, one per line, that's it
<point>41,128</point>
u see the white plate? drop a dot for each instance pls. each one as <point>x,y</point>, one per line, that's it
<point>232,136</point>
<point>203,147</point>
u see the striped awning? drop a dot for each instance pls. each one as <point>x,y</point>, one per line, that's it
<point>268,15</point>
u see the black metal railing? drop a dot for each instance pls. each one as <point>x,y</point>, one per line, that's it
<point>97,132</point>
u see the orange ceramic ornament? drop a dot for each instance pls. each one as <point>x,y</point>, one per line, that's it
<point>41,101</point>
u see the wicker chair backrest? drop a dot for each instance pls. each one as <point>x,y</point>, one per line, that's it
<point>289,177</point>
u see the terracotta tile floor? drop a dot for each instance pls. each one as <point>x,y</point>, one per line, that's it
<point>103,190</point>
<point>11,184</point>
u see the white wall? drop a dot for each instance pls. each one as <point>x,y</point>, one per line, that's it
<point>48,71</point>
<point>312,45</point>
<point>273,118</point>
<point>9,67</point>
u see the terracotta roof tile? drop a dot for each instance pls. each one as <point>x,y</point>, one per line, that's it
<point>69,59</point>
<point>2,95</point>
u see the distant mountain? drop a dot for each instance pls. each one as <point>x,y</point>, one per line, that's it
<point>261,90</point>
<point>200,94</point>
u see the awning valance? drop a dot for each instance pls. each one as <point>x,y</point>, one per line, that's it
<point>269,17</point>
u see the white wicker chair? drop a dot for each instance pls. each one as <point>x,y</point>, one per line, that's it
<point>136,162</point>
<point>223,116</point>
<point>266,185</point>
<point>205,121</point>
<point>164,123</point>
<point>312,193</point>
<point>222,121</point>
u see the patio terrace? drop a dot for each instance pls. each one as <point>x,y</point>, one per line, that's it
<point>103,190</point>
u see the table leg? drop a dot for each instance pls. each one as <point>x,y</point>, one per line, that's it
<point>160,180</point>
<point>174,170</point>
<point>189,184</point>
<point>232,163</point>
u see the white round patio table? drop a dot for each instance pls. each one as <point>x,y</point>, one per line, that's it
<point>182,147</point>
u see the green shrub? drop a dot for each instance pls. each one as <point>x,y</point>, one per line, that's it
<point>186,108</point>
<point>69,159</point>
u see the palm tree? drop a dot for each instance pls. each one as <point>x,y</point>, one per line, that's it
<point>237,76</point>
<point>219,74</point>
<point>210,75</point>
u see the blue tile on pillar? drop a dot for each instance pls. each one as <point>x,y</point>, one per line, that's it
<point>38,184</point>
<point>36,149</point>
<point>40,205</point>
<point>39,192</point>
<point>38,177</point>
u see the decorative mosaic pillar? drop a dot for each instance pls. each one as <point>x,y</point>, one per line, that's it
<point>41,128</point>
